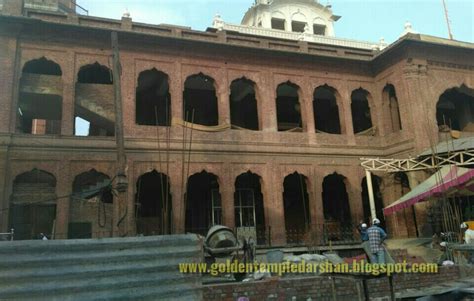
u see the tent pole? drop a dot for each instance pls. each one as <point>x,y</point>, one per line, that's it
<point>370,190</point>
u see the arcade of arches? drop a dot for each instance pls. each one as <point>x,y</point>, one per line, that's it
<point>252,207</point>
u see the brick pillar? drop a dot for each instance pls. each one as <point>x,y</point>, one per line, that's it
<point>267,112</point>
<point>178,213</point>
<point>63,188</point>
<point>275,209</point>
<point>307,114</point>
<point>176,91</point>
<point>418,95</point>
<point>223,94</point>
<point>8,83</point>
<point>354,191</point>
<point>347,116</point>
<point>226,189</point>
<point>4,199</point>
<point>68,97</point>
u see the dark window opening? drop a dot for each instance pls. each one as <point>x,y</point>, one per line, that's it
<point>199,96</point>
<point>94,104</point>
<point>92,184</point>
<point>243,105</point>
<point>319,30</point>
<point>391,111</point>
<point>30,220</point>
<point>153,100</point>
<point>95,74</point>
<point>296,204</point>
<point>278,24</point>
<point>337,212</point>
<point>378,199</point>
<point>40,99</point>
<point>42,66</point>
<point>288,108</point>
<point>326,111</point>
<point>455,110</point>
<point>298,26</point>
<point>153,201</point>
<point>203,203</point>
<point>361,118</point>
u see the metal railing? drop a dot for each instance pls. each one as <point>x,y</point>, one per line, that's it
<point>7,235</point>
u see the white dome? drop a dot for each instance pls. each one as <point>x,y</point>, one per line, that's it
<point>307,16</point>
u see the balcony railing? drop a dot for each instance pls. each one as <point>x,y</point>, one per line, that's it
<point>281,34</point>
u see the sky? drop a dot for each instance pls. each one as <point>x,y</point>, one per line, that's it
<point>367,20</point>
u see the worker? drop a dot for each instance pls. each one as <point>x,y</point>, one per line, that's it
<point>468,233</point>
<point>446,257</point>
<point>364,236</point>
<point>376,238</point>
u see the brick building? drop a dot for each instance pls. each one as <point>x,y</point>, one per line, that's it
<point>281,114</point>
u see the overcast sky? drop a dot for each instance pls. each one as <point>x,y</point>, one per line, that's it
<point>361,19</point>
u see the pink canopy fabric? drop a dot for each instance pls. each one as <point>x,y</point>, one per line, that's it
<point>450,180</point>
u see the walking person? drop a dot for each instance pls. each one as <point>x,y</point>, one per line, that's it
<point>376,237</point>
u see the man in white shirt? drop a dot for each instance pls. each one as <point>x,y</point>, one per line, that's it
<point>468,233</point>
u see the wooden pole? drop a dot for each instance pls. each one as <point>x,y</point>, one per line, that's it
<point>373,211</point>
<point>121,176</point>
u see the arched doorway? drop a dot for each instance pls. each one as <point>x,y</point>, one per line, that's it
<point>203,203</point>
<point>296,206</point>
<point>249,207</point>
<point>153,204</point>
<point>33,205</point>
<point>337,212</point>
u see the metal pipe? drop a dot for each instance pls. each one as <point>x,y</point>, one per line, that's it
<point>373,211</point>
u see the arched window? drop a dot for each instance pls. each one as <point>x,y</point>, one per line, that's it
<point>42,66</point>
<point>33,205</point>
<point>455,110</point>
<point>200,100</point>
<point>94,104</point>
<point>95,74</point>
<point>153,100</point>
<point>243,104</point>
<point>203,203</point>
<point>391,110</point>
<point>326,110</point>
<point>153,201</point>
<point>361,116</point>
<point>40,99</point>
<point>288,108</point>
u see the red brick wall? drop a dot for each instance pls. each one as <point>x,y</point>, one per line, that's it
<point>321,287</point>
